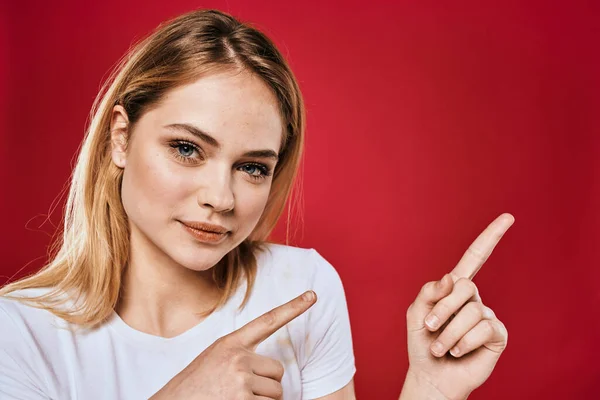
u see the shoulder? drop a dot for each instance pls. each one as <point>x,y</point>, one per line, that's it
<point>295,264</point>
<point>285,272</point>
<point>29,343</point>
<point>19,315</point>
<point>15,303</point>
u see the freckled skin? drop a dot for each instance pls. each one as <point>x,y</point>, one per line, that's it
<point>158,189</point>
<point>168,278</point>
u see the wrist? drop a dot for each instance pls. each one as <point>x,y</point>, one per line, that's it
<point>419,386</point>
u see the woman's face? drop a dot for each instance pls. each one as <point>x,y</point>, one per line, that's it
<point>204,155</point>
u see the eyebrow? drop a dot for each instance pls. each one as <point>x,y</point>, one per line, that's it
<point>194,130</point>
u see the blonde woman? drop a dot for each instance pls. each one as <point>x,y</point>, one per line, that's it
<point>164,285</point>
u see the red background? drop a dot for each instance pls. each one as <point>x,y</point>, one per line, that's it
<point>425,121</point>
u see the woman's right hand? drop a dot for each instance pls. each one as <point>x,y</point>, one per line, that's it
<point>230,369</point>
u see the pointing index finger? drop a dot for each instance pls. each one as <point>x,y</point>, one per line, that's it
<point>259,329</point>
<point>480,250</point>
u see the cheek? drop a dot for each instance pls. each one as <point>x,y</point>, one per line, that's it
<point>150,188</point>
<point>250,203</point>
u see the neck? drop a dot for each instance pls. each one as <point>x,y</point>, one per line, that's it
<point>159,296</point>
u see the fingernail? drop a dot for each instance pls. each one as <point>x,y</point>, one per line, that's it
<point>432,321</point>
<point>437,347</point>
<point>308,296</point>
<point>455,351</point>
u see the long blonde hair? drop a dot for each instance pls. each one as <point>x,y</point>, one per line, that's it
<point>89,258</point>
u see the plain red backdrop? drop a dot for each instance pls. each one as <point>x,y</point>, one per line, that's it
<point>426,120</point>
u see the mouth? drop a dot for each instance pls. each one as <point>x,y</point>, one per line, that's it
<point>206,233</point>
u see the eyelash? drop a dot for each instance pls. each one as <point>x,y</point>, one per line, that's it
<point>176,144</point>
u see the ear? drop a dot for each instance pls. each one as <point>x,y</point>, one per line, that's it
<point>119,125</point>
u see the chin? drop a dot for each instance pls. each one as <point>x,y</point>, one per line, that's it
<point>200,260</point>
<point>198,256</point>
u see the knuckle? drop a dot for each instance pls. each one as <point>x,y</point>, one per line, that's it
<point>427,288</point>
<point>269,318</point>
<point>466,342</point>
<point>502,329</point>
<point>488,313</point>
<point>243,380</point>
<point>476,308</point>
<point>477,253</point>
<point>465,284</point>
<point>279,370</point>
<point>489,327</point>
<point>442,309</point>
<point>410,310</point>
<point>278,391</point>
<point>468,286</point>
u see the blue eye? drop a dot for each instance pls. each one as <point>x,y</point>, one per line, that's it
<point>256,171</point>
<point>251,169</point>
<point>186,150</point>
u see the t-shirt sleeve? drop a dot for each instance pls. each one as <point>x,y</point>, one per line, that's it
<point>18,375</point>
<point>329,365</point>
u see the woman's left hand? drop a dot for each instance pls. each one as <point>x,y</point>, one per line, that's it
<point>450,313</point>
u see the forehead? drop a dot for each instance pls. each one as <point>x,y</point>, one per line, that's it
<point>234,107</point>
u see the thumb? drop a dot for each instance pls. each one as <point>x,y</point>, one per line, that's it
<point>430,294</point>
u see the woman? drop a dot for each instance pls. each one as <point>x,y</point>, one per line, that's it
<point>164,280</point>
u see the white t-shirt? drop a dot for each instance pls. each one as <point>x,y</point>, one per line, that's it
<point>43,357</point>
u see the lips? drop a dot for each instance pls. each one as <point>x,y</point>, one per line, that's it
<point>205,232</point>
<point>205,226</point>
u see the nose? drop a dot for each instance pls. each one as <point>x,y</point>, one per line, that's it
<point>216,192</point>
